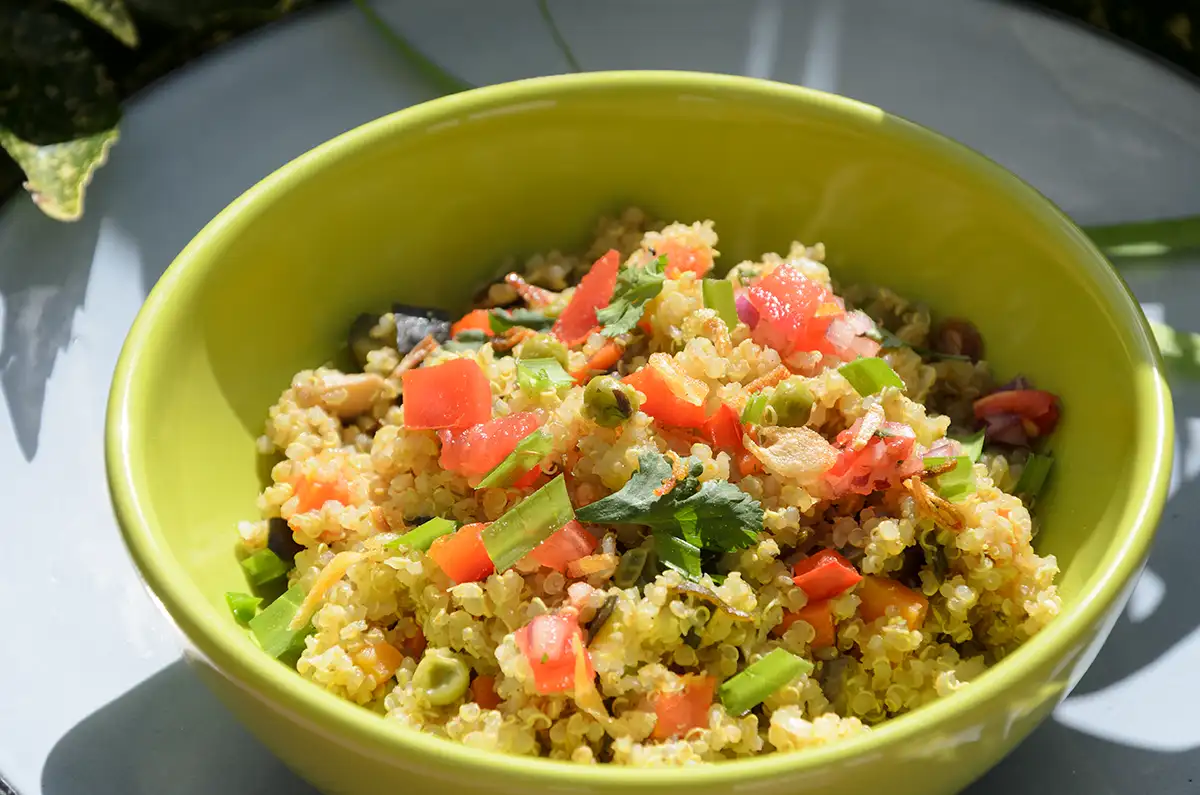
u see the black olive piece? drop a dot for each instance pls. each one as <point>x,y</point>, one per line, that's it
<point>280,540</point>
<point>415,323</point>
<point>601,618</point>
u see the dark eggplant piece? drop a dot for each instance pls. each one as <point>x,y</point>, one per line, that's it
<point>415,323</point>
<point>281,541</point>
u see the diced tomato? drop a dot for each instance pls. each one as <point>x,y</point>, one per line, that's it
<point>602,361</point>
<point>451,395</point>
<point>723,430</point>
<point>1037,409</point>
<point>818,615</point>
<point>483,692</point>
<point>662,403</point>
<point>594,292</point>
<point>548,644</point>
<point>879,595</point>
<point>681,258</point>
<point>528,479</point>
<point>414,646</point>
<point>645,326</point>
<point>480,449</point>
<point>885,460</point>
<point>825,574</point>
<point>462,554</point>
<point>679,712</point>
<point>475,320</point>
<point>311,495</point>
<point>797,315</point>
<point>565,545</point>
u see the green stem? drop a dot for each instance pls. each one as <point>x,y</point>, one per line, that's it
<point>556,34</point>
<point>443,80</point>
<point>1147,239</point>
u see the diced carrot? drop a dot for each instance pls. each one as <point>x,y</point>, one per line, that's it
<point>825,574</point>
<point>483,691</point>
<point>682,258</point>
<point>380,658</point>
<point>601,361</point>
<point>819,616</point>
<point>453,395</point>
<point>662,403</point>
<point>594,292</point>
<point>462,555</point>
<point>880,596</point>
<point>311,495</point>
<point>679,712</point>
<point>475,320</point>
<point>547,643</point>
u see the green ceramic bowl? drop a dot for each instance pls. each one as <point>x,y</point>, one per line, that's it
<point>422,205</point>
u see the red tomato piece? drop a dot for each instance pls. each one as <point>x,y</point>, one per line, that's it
<point>818,615</point>
<point>825,574</point>
<point>679,712</point>
<point>602,361</point>
<point>880,595</point>
<point>594,292</point>
<point>723,430</point>
<point>548,644</point>
<point>462,554</point>
<point>569,543</point>
<point>1032,405</point>
<point>483,692</point>
<point>682,258</point>
<point>885,460</point>
<point>661,401</point>
<point>797,315</point>
<point>451,395</point>
<point>480,448</point>
<point>475,320</point>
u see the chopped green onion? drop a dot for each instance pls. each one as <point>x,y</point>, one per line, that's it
<point>471,335</point>
<point>264,566</point>
<point>501,321</point>
<point>677,554</point>
<point>718,295</point>
<point>527,524</point>
<point>422,536</point>
<point>542,375</point>
<point>752,414</point>
<point>242,605</point>
<point>458,346</point>
<point>629,570</point>
<point>752,686</point>
<point>869,375</point>
<point>957,483</point>
<point>524,457</point>
<point>271,627</point>
<point>1033,476</point>
<point>973,446</point>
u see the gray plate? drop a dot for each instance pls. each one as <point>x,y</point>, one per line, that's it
<point>103,705</point>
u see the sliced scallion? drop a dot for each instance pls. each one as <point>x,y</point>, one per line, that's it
<point>471,335</point>
<point>751,687</point>
<point>973,446</point>
<point>1033,476</point>
<point>954,484</point>
<point>524,457</point>
<point>422,536</point>
<point>752,414</point>
<point>527,524</point>
<point>629,570</point>
<point>271,626</point>
<point>242,605</point>
<point>675,553</point>
<point>868,375</point>
<point>542,375</point>
<point>718,295</point>
<point>264,566</point>
<point>501,320</point>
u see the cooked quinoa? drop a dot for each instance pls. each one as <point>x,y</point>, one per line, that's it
<point>939,577</point>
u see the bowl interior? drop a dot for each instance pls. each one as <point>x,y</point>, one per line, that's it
<point>424,206</point>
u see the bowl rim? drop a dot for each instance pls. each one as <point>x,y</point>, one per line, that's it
<point>351,725</point>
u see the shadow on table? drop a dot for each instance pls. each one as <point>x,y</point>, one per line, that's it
<point>167,735</point>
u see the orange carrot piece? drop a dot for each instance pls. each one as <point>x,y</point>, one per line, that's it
<point>475,320</point>
<point>880,596</point>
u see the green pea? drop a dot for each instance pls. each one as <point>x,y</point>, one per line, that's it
<point>543,346</point>
<point>791,403</point>
<point>443,678</point>
<point>608,402</point>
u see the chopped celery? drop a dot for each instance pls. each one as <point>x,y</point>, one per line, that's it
<point>264,566</point>
<point>718,295</point>
<point>422,536</point>
<point>271,627</point>
<point>752,686</point>
<point>242,605</point>
<point>527,524</point>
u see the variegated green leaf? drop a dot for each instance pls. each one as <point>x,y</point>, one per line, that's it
<point>112,15</point>
<point>58,174</point>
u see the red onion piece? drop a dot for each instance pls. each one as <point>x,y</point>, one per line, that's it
<point>944,448</point>
<point>745,310</point>
<point>1006,429</point>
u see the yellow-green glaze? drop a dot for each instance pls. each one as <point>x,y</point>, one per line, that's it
<point>423,204</point>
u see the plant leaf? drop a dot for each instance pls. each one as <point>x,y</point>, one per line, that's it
<point>57,175</point>
<point>636,285</point>
<point>110,15</point>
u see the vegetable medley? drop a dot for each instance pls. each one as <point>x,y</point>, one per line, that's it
<point>625,510</point>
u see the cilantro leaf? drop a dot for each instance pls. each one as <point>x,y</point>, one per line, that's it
<point>502,320</point>
<point>636,285</point>
<point>714,516</point>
